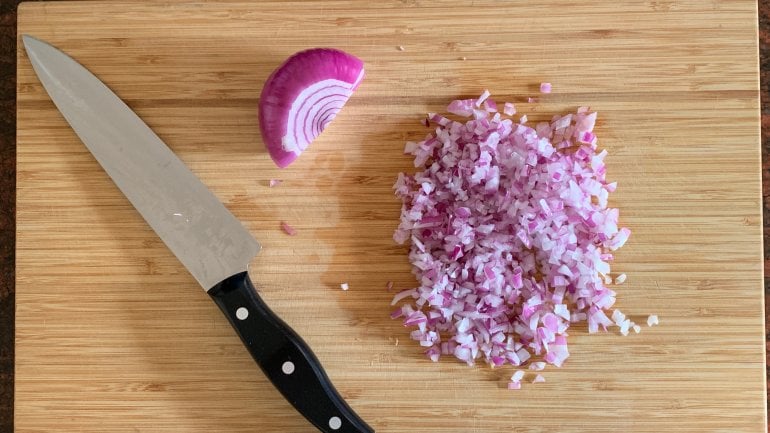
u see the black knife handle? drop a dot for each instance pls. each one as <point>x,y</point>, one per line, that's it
<point>285,358</point>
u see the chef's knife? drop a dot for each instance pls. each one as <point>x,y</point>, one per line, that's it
<point>209,241</point>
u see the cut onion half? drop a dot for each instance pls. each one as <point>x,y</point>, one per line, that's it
<point>302,96</point>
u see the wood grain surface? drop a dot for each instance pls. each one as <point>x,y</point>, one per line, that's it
<point>113,334</point>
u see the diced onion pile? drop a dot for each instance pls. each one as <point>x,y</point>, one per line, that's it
<point>511,236</point>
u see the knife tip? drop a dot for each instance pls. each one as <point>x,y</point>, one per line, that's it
<point>30,41</point>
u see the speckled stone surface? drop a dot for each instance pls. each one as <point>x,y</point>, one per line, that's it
<point>8,187</point>
<point>764,85</point>
<point>7,206</point>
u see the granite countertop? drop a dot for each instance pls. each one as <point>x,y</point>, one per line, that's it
<point>7,206</point>
<point>8,186</point>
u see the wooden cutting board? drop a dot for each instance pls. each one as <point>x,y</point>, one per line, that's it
<point>113,335</point>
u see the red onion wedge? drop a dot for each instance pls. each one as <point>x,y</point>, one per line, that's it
<point>302,96</point>
<point>511,237</point>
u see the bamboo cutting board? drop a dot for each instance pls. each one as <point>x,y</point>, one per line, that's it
<point>113,335</point>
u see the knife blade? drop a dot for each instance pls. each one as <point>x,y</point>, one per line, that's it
<point>206,238</point>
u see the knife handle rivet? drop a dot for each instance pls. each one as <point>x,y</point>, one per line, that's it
<point>335,423</point>
<point>242,313</point>
<point>287,367</point>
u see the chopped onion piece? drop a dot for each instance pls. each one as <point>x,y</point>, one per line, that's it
<point>562,311</point>
<point>618,317</point>
<point>289,230</point>
<point>482,98</point>
<point>545,87</point>
<point>620,279</point>
<point>538,379</point>
<point>509,109</point>
<point>652,320</point>
<point>401,295</point>
<point>344,286</point>
<point>274,183</point>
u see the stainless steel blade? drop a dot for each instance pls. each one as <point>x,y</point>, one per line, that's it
<point>210,242</point>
